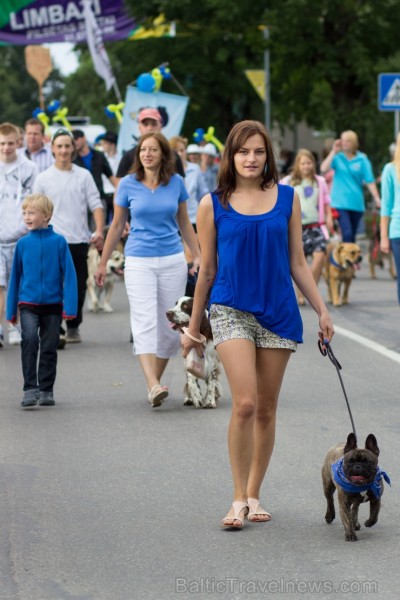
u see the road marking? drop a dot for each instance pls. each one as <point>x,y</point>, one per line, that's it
<point>369,344</point>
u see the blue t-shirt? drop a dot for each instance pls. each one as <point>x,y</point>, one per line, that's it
<point>390,206</point>
<point>347,187</point>
<point>154,229</point>
<point>253,265</point>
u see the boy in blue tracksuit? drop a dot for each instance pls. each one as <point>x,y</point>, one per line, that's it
<point>43,286</point>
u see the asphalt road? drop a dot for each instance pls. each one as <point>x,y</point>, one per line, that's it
<point>104,498</point>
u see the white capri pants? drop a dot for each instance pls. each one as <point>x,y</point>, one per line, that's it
<point>153,285</point>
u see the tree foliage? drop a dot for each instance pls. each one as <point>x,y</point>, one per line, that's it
<point>325,56</point>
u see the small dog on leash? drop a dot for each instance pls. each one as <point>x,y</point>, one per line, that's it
<point>115,270</point>
<point>355,474</point>
<point>179,316</point>
<point>339,270</point>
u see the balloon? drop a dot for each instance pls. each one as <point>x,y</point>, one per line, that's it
<point>60,116</point>
<point>146,82</point>
<point>156,73</point>
<point>210,137</point>
<point>114,110</point>
<point>198,135</point>
<point>43,118</point>
<point>166,72</point>
<point>54,106</point>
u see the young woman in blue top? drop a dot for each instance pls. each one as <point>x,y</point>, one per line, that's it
<point>251,239</point>
<point>352,169</point>
<point>155,266</point>
<point>390,210</point>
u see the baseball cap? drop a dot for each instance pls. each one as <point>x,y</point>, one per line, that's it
<point>78,133</point>
<point>149,113</point>
<point>193,149</point>
<point>109,136</point>
<point>209,149</point>
<point>61,131</point>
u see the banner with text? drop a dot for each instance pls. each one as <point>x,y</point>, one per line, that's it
<point>25,22</point>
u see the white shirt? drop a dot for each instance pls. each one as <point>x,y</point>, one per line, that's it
<point>73,193</point>
<point>113,161</point>
<point>16,182</point>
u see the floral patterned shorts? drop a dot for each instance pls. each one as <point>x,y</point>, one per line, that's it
<point>229,324</point>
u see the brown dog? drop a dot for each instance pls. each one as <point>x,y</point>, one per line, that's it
<point>339,270</point>
<point>354,472</point>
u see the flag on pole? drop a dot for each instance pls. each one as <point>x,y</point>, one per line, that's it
<point>98,52</point>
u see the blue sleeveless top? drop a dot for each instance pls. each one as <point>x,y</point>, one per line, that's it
<point>253,265</point>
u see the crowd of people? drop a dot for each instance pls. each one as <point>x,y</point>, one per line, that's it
<point>242,227</point>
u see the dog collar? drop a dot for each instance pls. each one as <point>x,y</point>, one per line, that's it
<point>336,264</point>
<point>341,479</point>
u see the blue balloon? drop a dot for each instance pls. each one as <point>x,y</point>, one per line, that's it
<point>198,135</point>
<point>145,82</point>
<point>108,113</point>
<point>36,112</point>
<point>53,106</point>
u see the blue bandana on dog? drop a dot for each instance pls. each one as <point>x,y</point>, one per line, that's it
<point>350,488</point>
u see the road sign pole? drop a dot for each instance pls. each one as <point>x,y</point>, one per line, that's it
<point>396,123</point>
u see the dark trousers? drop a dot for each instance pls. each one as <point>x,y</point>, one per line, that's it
<point>395,246</point>
<point>79,254</point>
<point>39,338</point>
<point>349,221</point>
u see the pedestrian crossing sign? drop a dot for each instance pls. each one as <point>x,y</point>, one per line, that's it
<point>389,91</point>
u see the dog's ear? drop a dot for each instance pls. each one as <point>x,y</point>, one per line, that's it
<point>351,443</point>
<point>371,444</point>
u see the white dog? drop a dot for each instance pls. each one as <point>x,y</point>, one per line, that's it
<point>115,269</point>
<point>179,316</point>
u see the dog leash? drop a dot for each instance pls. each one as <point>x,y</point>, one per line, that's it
<point>326,350</point>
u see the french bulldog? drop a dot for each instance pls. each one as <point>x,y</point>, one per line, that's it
<point>355,473</point>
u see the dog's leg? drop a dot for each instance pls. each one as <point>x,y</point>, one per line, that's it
<point>108,288</point>
<point>335,291</point>
<point>93,300</point>
<point>372,268</point>
<point>354,515</point>
<point>329,490</point>
<point>213,391</point>
<point>374,508</point>
<point>345,513</point>
<point>193,395</point>
<point>346,286</point>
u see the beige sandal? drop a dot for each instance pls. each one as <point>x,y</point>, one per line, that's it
<point>256,510</point>
<point>237,509</point>
<point>157,395</point>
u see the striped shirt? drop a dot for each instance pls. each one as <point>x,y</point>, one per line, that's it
<point>43,158</point>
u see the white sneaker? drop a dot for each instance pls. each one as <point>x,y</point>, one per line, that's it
<point>14,336</point>
<point>1,338</point>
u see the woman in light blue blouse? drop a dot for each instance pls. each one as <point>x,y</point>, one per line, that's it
<point>390,210</point>
<point>155,266</point>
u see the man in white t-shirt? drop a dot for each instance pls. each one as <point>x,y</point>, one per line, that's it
<point>17,175</point>
<point>73,192</point>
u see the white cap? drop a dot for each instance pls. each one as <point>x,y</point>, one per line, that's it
<point>209,149</point>
<point>193,149</point>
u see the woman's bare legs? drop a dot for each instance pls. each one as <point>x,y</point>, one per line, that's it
<point>255,378</point>
<point>153,367</point>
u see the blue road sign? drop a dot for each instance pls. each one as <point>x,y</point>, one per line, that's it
<point>389,91</point>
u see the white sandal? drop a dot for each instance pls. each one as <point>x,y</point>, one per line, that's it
<point>157,395</point>
<point>256,510</point>
<point>237,509</point>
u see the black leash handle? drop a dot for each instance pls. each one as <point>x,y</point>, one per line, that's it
<point>326,350</point>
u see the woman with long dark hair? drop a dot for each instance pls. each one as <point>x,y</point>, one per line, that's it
<point>251,240</point>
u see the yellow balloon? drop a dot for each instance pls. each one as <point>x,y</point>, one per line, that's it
<point>158,79</point>
<point>210,137</point>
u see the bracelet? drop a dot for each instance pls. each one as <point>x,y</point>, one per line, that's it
<point>201,340</point>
